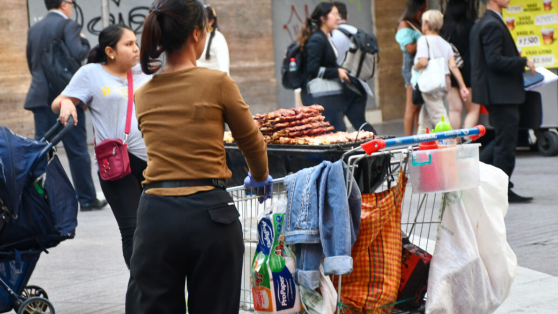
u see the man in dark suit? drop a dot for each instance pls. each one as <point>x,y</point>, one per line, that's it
<point>39,100</point>
<point>497,81</point>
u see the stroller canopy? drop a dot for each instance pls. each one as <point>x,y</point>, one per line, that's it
<point>20,164</point>
<point>43,214</point>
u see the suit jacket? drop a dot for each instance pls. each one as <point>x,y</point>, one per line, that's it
<point>318,52</point>
<point>497,68</point>
<point>39,38</point>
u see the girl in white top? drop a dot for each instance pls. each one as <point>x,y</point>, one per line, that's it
<point>103,86</point>
<point>216,53</point>
<point>433,109</point>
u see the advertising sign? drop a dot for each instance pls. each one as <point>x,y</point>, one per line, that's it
<point>532,24</point>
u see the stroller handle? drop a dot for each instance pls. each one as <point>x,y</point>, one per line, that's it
<point>58,137</point>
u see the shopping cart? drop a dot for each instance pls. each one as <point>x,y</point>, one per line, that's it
<point>420,217</point>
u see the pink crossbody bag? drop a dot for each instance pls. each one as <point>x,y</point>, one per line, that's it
<point>112,154</point>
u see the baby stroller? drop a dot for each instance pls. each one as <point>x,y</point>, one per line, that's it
<point>38,210</point>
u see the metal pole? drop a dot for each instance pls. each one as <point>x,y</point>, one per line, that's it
<point>105,13</point>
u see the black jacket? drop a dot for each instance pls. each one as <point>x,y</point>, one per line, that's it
<point>497,68</point>
<point>39,38</point>
<point>319,53</point>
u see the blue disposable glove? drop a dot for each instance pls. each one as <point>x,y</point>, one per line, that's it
<point>263,189</point>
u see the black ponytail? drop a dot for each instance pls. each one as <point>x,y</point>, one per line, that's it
<point>313,23</point>
<point>166,28</point>
<point>109,37</point>
<point>211,15</point>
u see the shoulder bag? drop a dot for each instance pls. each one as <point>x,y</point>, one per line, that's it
<point>456,55</point>
<point>432,79</point>
<point>320,87</point>
<point>112,154</point>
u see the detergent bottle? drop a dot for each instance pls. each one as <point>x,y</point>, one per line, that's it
<point>447,163</point>
<point>426,159</point>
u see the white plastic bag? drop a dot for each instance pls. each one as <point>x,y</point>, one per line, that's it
<point>313,302</point>
<point>473,266</point>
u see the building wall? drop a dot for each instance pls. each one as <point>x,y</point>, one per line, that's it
<point>247,26</point>
<point>14,74</point>
<point>391,86</point>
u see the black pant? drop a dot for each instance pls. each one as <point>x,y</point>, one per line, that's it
<point>196,237</point>
<point>501,151</point>
<point>123,196</point>
<point>75,144</point>
<point>355,110</point>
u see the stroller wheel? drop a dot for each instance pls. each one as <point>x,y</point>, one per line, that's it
<point>36,305</point>
<point>34,291</point>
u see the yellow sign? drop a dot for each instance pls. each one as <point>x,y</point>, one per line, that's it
<point>532,24</point>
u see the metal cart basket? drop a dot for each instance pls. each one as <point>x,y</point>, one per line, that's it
<point>420,216</point>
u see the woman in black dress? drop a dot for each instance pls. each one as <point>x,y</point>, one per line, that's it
<point>458,22</point>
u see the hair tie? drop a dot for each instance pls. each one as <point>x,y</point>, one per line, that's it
<point>157,12</point>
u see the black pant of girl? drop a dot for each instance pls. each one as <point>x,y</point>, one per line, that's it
<point>196,237</point>
<point>334,107</point>
<point>123,196</point>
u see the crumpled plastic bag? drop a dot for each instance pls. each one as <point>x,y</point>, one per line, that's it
<point>316,303</point>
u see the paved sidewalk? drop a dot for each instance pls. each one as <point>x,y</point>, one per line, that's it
<point>88,275</point>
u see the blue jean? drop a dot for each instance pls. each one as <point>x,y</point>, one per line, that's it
<point>321,220</point>
<point>75,144</point>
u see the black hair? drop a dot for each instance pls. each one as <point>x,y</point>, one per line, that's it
<point>109,37</point>
<point>53,4</point>
<point>211,15</point>
<point>411,10</point>
<point>167,27</point>
<point>313,23</point>
<point>342,9</point>
<point>458,19</point>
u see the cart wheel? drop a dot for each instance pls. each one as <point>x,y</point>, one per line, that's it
<point>34,291</point>
<point>36,305</point>
<point>550,146</point>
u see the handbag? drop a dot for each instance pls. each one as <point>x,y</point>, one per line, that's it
<point>433,78</point>
<point>456,55</point>
<point>320,87</point>
<point>112,154</point>
<point>417,96</point>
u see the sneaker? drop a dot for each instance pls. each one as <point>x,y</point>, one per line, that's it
<point>96,205</point>
<point>514,198</point>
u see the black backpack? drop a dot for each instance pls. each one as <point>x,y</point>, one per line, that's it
<point>58,64</point>
<point>292,79</point>
<point>363,55</point>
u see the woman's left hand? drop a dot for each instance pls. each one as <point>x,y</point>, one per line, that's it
<point>464,93</point>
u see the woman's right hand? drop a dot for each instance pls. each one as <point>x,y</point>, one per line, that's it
<point>67,109</point>
<point>343,75</point>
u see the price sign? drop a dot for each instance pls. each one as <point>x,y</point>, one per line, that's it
<point>534,26</point>
<point>527,41</point>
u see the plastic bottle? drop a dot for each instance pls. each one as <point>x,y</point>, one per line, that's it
<point>292,65</point>
<point>426,161</point>
<point>447,166</point>
<point>444,126</point>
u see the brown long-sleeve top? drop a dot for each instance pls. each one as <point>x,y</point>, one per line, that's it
<point>182,115</point>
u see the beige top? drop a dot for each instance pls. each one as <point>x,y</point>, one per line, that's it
<point>182,117</point>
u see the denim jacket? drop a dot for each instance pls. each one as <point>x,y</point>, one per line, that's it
<point>321,220</point>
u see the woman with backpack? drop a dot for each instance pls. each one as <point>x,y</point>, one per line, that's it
<point>408,33</point>
<point>103,85</point>
<point>456,29</point>
<point>216,53</point>
<point>188,227</point>
<point>320,60</point>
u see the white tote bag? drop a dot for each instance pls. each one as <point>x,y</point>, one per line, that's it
<point>473,266</point>
<point>433,78</point>
<point>320,87</point>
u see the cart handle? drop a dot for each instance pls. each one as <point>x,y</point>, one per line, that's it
<point>378,144</point>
